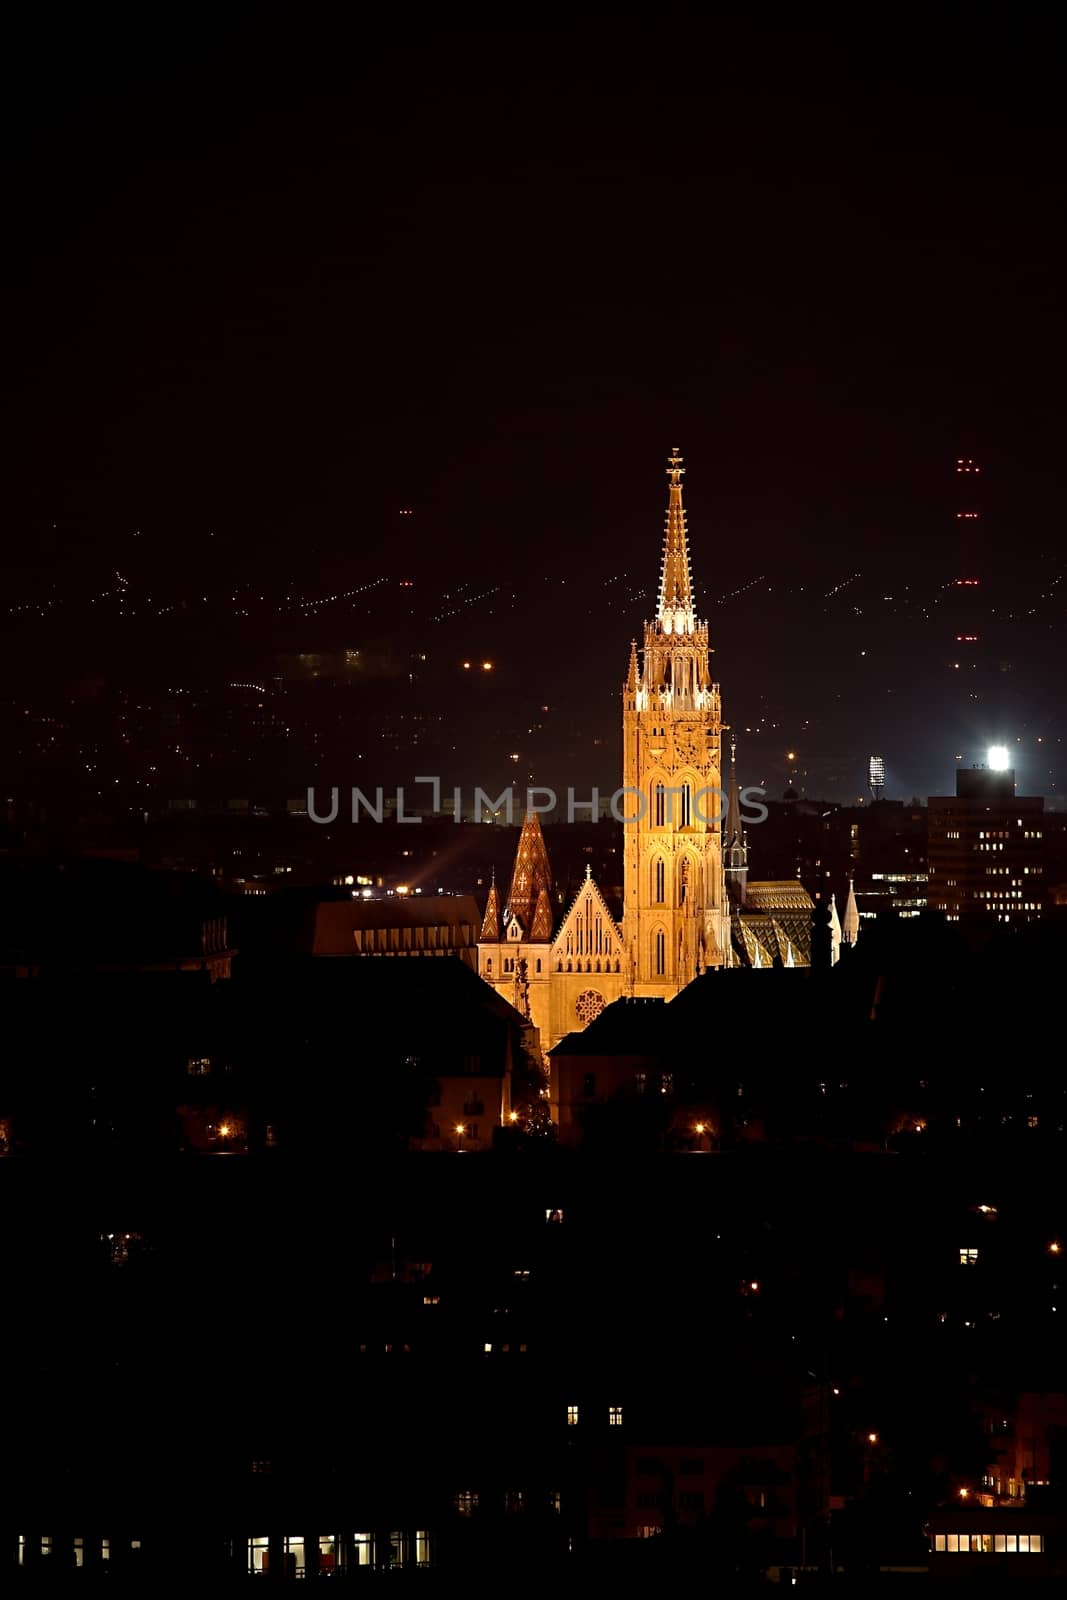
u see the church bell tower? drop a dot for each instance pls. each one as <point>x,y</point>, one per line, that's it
<point>676,913</point>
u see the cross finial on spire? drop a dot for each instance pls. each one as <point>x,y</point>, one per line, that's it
<point>675,471</point>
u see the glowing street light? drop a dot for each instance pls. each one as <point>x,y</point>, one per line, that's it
<point>872,1438</point>
<point>998,758</point>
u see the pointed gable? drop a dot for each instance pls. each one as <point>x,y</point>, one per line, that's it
<point>589,933</point>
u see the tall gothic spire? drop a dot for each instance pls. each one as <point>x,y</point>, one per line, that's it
<point>531,874</point>
<point>675,609</point>
<point>735,850</point>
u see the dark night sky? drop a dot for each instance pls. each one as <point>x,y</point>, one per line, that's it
<point>278,281</point>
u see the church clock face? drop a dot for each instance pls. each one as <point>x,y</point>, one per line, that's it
<point>687,744</point>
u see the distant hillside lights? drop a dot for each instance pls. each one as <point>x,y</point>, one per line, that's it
<point>510,805</point>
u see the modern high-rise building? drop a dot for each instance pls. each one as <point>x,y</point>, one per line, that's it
<point>986,849</point>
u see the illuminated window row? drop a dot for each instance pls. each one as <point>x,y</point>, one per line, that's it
<point>47,1546</point>
<point>614,1416</point>
<point>293,1552</point>
<point>467,1501</point>
<point>989,1543</point>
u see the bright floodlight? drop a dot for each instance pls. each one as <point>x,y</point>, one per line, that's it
<point>999,758</point>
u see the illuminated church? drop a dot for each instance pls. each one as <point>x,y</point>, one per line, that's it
<point>683,894</point>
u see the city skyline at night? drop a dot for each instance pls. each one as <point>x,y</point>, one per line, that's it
<point>529,990</point>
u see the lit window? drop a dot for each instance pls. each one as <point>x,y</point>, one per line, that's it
<point>259,1554</point>
<point>554,1215</point>
<point>467,1502</point>
<point>572,1416</point>
<point>615,1416</point>
<point>363,1549</point>
<point>968,1256</point>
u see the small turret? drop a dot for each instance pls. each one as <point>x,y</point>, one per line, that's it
<point>491,921</point>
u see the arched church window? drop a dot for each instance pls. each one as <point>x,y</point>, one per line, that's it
<point>687,805</point>
<point>659,883</point>
<point>659,805</point>
<point>659,948</point>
